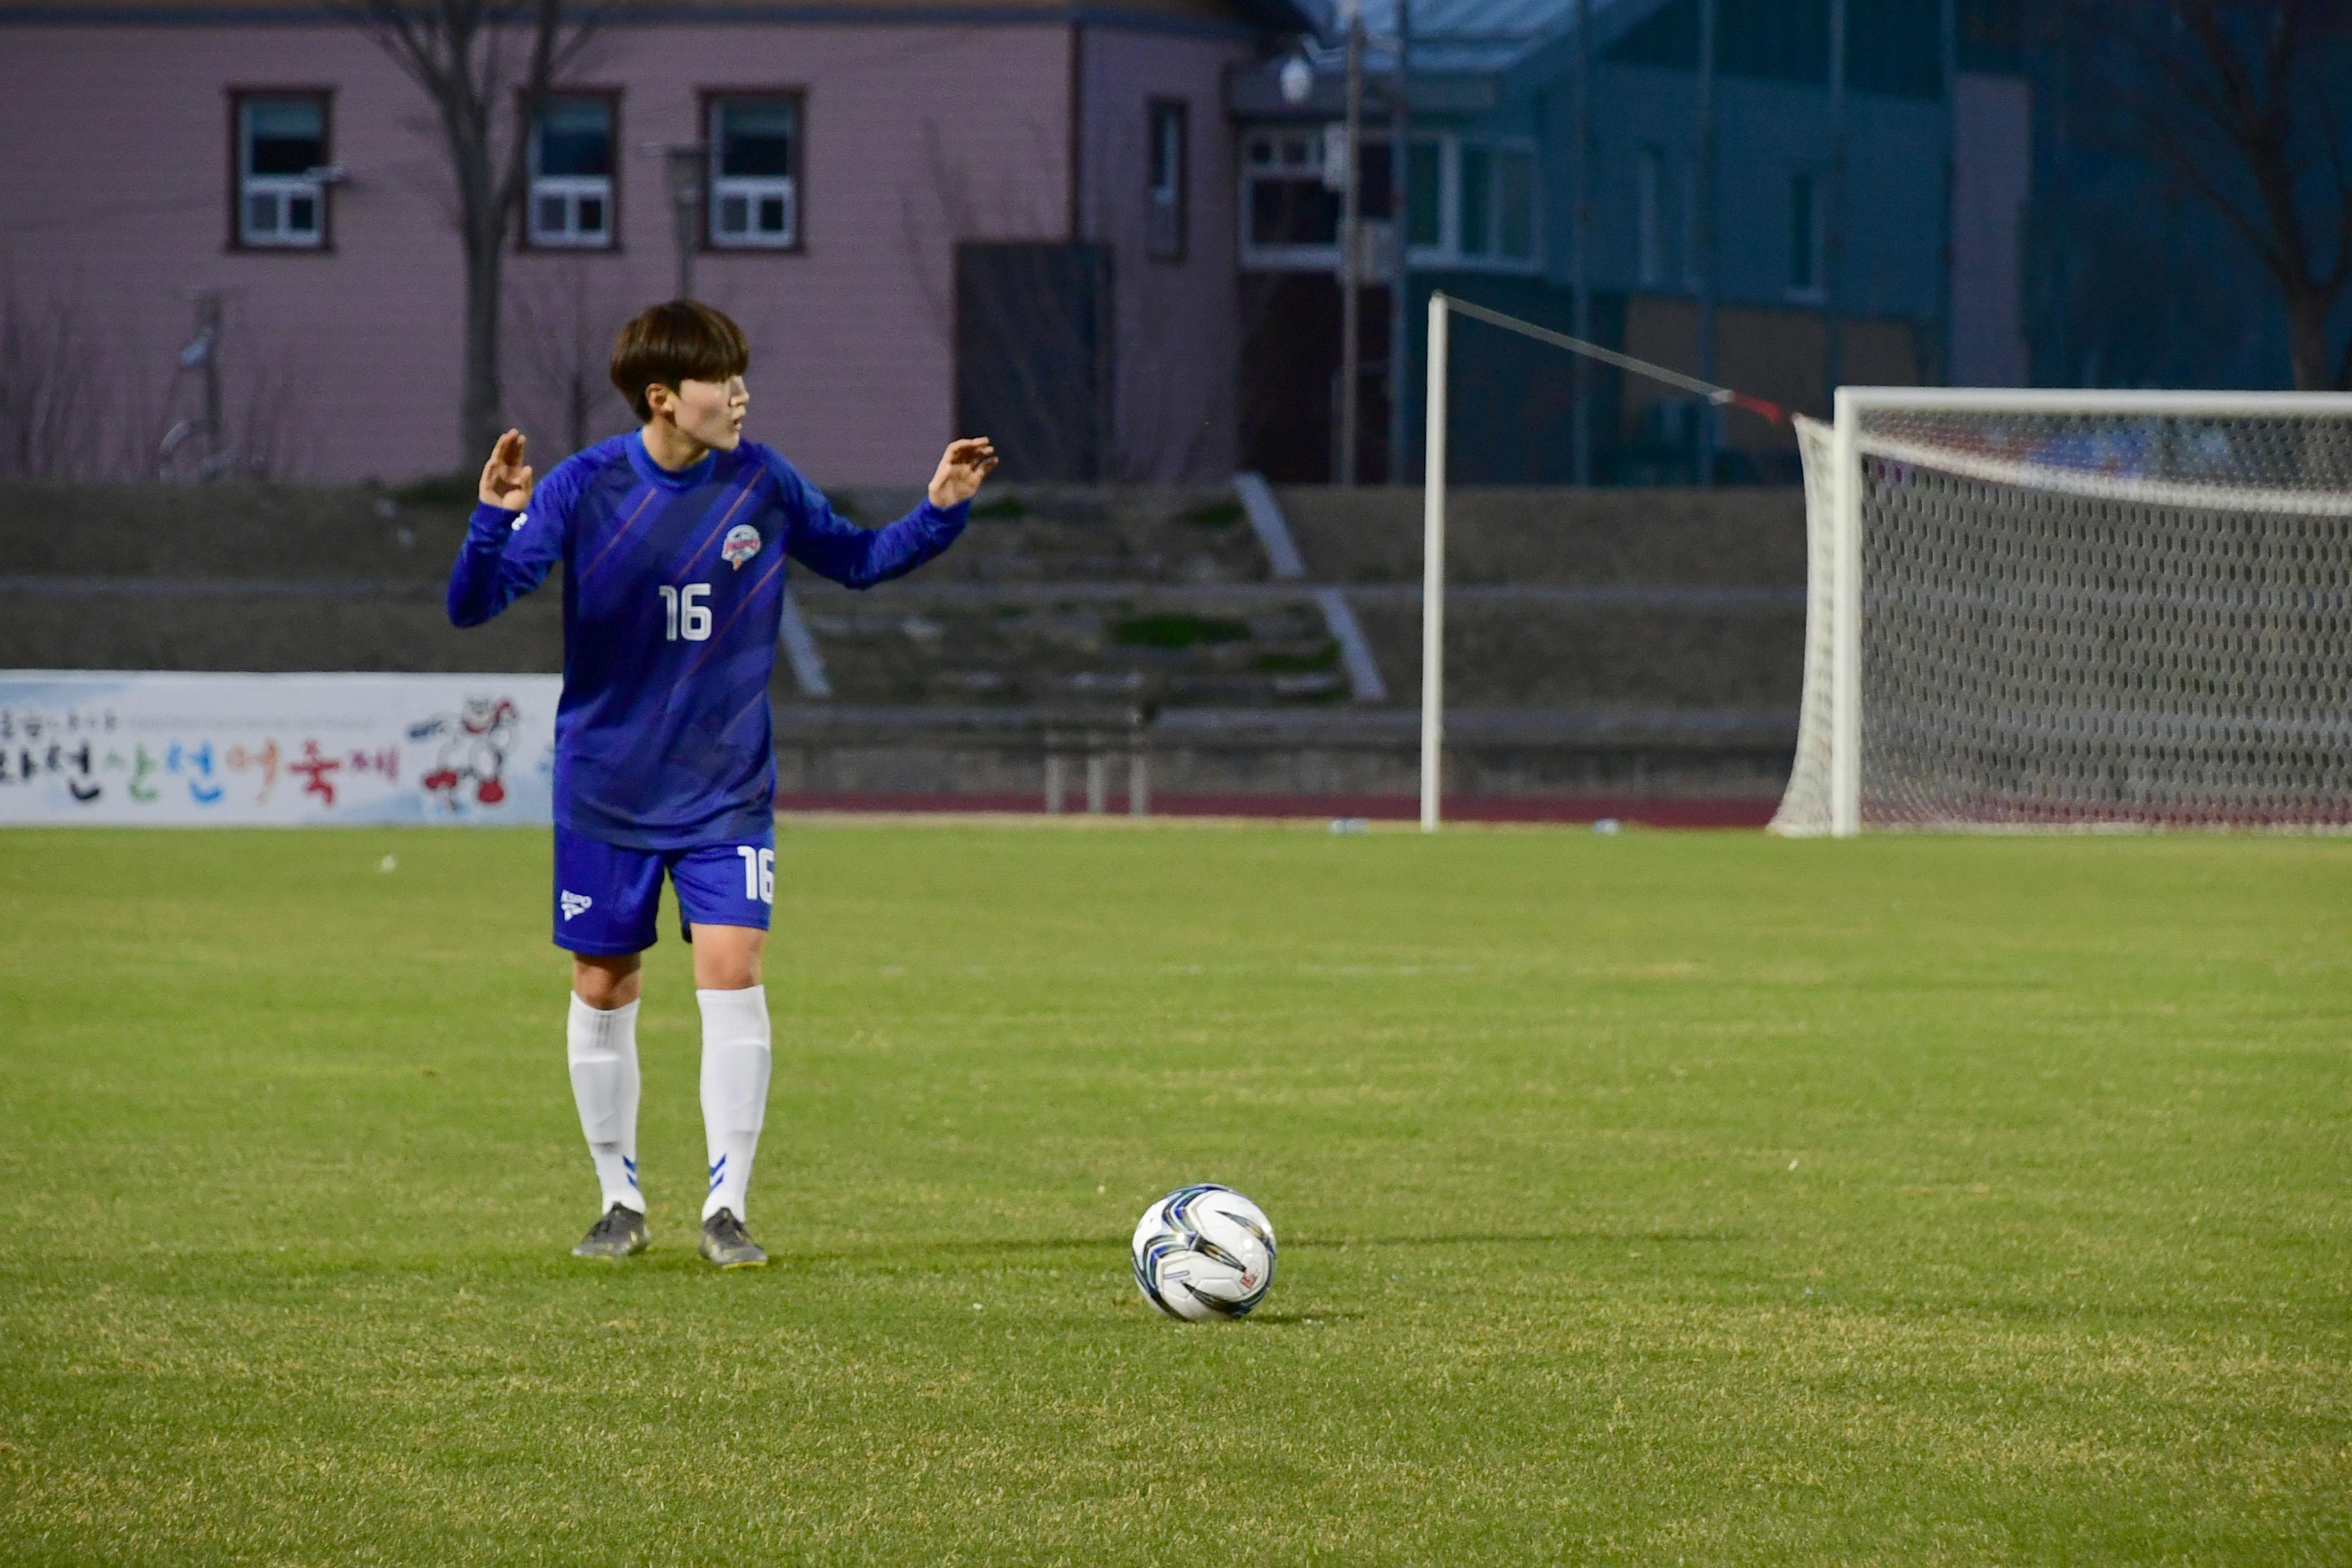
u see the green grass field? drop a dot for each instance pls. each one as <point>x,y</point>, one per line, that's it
<point>1650,1199</point>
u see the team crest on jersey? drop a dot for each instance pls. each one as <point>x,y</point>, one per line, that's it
<point>741,543</point>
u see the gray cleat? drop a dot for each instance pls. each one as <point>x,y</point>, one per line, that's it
<point>726,1243</point>
<point>620,1233</point>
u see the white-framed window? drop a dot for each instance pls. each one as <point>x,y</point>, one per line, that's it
<point>572,173</point>
<point>1290,215</point>
<point>755,170</point>
<point>282,159</point>
<point>1805,235</point>
<point>1166,219</point>
<point>1496,190</point>
<point>1471,202</point>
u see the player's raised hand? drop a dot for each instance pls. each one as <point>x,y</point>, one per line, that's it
<point>964,465</point>
<point>505,477</point>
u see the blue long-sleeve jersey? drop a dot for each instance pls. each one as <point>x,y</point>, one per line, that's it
<point>673,596</point>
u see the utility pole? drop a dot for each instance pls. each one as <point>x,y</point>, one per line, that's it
<point>1400,215</point>
<point>683,163</point>
<point>1833,216</point>
<point>1580,253</point>
<point>1705,234</point>
<point>1351,250</point>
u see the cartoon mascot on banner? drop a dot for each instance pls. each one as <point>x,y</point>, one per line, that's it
<point>474,746</point>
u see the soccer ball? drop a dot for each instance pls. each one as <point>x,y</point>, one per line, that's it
<point>1203,1252</point>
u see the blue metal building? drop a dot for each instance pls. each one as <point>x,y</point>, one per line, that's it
<point>1758,206</point>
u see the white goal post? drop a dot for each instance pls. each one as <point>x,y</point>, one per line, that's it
<point>2075,609</point>
<point>1432,570</point>
<point>1433,539</point>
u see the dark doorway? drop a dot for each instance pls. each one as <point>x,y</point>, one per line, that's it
<point>1034,355</point>
<point>1290,379</point>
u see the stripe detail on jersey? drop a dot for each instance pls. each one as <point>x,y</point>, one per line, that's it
<point>758,699</point>
<point>621,532</point>
<point>719,529</point>
<point>743,713</point>
<point>737,609</point>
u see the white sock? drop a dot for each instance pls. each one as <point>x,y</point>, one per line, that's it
<point>735,1060</point>
<point>603,1046</point>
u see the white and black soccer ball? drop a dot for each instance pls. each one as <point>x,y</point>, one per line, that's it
<point>1203,1252</point>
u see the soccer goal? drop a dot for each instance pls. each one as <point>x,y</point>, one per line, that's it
<point>2057,609</point>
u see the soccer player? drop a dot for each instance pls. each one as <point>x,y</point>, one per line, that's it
<point>674,540</point>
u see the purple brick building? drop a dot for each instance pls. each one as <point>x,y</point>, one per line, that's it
<point>929,217</point>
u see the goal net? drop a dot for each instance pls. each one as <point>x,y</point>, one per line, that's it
<point>2076,610</point>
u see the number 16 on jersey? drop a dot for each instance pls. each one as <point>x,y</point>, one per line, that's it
<point>684,614</point>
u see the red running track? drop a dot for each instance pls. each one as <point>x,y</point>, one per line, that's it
<point>1645,811</point>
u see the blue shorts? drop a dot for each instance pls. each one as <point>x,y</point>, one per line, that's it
<point>606,897</point>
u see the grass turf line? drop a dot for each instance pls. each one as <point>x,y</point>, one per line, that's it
<point>1654,1198</point>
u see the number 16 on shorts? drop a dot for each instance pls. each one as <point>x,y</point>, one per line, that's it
<point>759,873</point>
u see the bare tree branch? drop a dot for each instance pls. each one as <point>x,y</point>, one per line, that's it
<point>2191,172</point>
<point>459,53</point>
<point>2221,110</point>
<point>566,309</point>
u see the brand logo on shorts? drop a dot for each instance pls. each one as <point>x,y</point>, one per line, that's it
<point>741,543</point>
<point>575,902</point>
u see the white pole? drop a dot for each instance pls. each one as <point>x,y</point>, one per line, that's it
<point>1433,568</point>
<point>1845,626</point>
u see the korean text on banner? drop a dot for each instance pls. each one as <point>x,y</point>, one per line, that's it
<point>179,750</point>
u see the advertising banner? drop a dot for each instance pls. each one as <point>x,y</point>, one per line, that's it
<point>187,750</point>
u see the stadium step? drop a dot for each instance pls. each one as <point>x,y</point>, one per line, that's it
<point>1145,643</point>
<point>1520,535</point>
<point>1045,533</point>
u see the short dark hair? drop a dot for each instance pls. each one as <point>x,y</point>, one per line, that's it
<point>684,340</point>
